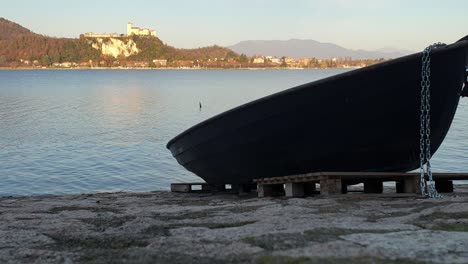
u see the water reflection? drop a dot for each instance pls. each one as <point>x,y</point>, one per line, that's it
<point>122,100</point>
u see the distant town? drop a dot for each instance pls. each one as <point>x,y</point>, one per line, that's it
<point>266,62</point>
<point>139,48</point>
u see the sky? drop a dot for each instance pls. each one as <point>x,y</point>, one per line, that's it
<point>356,24</point>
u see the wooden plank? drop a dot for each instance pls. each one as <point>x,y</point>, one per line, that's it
<point>287,179</point>
<point>386,176</point>
<point>190,183</point>
<point>187,187</point>
<point>450,176</point>
<point>438,175</point>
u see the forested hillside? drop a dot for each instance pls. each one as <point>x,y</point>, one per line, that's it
<point>10,29</point>
<point>18,44</point>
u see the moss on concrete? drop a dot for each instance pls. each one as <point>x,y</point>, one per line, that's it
<point>453,221</point>
<point>184,216</point>
<point>331,260</point>
<point>102,223</point>
<point>443,215</point>
<point>59,209</point>
<point>142,257</point>
<point>242,209</point>
<point>284,241</point>
<point>229,225</point>
<point>456,227</point>
<point>330,234</point>
<point>156,231</point>
<point>64,242</point>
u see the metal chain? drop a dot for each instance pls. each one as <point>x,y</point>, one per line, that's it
<point>425,128</point>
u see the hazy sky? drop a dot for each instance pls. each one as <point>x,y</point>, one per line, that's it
<point>366,24</point>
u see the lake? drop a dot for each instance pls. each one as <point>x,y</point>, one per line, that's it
<point>82,131</point>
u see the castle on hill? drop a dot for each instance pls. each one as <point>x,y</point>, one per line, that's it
<point>131,30</point>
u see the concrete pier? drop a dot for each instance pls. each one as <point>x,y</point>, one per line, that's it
<point>166,227</point>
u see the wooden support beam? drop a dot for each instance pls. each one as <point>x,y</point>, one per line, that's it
<point>185,188</point>
<point>409,184</point>
<point>331,186</point>
<point>294,189</point>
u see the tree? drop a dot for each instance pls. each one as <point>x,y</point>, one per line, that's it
<point>45,61</point>
<point>243,58</point>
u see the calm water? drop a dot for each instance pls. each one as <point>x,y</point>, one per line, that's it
<point>92,131</point>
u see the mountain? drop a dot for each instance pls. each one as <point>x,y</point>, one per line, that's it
<point>395,50</point>
<point>18,44</point>
<point>298,48</point>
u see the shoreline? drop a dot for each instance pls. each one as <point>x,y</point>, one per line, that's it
<point>168,68</point>
<point>165,227</point>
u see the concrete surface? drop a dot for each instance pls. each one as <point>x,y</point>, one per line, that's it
<point>164,227</point>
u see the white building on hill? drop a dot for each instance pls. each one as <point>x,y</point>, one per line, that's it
<point>132,30</point>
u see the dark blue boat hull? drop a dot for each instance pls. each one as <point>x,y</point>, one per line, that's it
<point>363,120</point>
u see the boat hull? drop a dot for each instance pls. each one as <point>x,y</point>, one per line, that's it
<point>362,120</point>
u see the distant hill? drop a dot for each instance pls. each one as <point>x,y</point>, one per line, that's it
<point>9,30</point>
<point>19,44</point>
<point>298,48</point>
<point>395,50</point>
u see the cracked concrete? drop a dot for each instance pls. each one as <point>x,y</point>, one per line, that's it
<point>163,227</point>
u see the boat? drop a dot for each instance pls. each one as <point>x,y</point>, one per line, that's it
<point>364,120</point>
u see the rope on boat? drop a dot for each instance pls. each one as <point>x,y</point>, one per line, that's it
<point>428,190</point>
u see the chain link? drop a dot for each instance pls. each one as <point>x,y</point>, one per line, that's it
<point>425,124</point>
